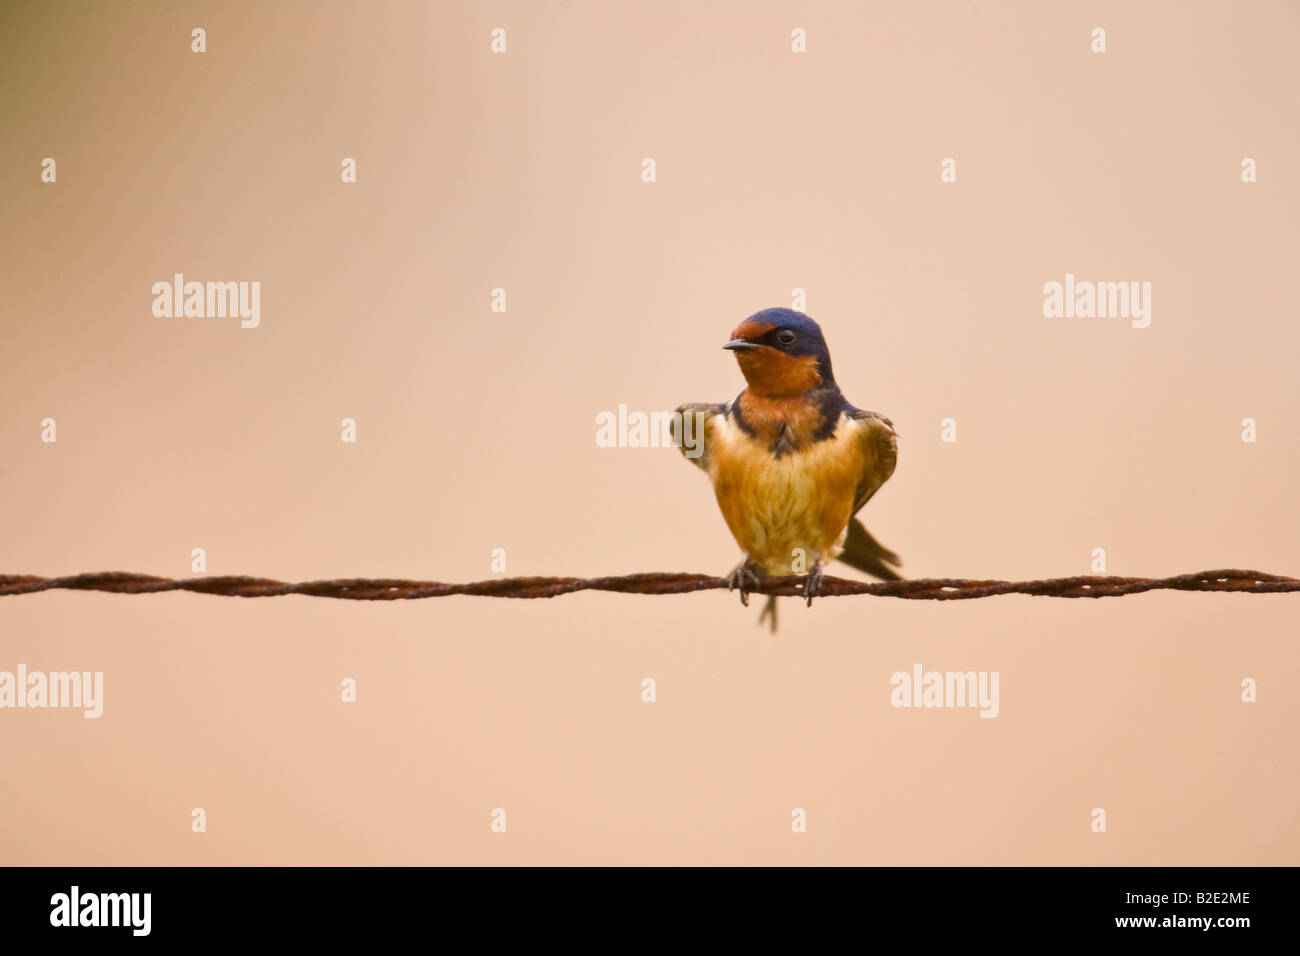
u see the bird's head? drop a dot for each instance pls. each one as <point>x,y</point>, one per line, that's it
<point>781,354</point>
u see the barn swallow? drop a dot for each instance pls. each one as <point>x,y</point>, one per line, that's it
<point>790,460</point>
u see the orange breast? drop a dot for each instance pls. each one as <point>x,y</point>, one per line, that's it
<point>774,506</point>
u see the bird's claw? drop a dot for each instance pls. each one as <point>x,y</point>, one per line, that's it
<point>744,580</point>
<point>813,584</point>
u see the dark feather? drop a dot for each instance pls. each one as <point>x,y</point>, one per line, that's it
<point>868,555</point>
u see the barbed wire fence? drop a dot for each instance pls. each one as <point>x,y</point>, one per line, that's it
<point>391,589</point>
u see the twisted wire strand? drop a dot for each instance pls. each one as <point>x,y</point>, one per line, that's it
<point>396,589</point>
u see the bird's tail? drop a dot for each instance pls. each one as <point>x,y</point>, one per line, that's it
<point>868,555</point>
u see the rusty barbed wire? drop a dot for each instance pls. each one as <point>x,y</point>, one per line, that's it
<point>393,589</point>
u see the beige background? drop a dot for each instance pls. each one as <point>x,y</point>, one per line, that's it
<point>476,429</point>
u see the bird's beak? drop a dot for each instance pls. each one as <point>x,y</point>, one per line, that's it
<point>741,345</point>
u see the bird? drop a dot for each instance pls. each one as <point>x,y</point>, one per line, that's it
<point>791,461</point>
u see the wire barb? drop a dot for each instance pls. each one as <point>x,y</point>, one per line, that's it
<point>393,589</point>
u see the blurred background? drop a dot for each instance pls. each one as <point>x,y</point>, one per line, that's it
<point>476,429</point>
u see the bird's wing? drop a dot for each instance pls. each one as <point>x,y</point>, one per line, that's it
<point>879,446</point>
<point>694,426</point>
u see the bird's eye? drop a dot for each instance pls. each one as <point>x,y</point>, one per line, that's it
<point>785,337</point>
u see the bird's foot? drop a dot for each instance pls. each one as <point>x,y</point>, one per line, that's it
<point>744,580</point>
<point>812,585</point>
